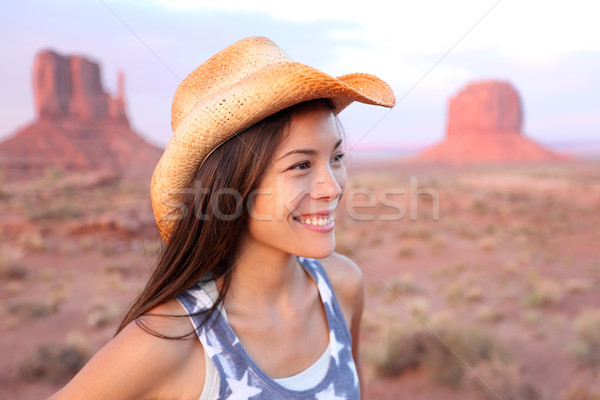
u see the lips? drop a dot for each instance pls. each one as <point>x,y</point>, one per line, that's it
<point>316,219</point>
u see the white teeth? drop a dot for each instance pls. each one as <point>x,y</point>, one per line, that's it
<point>315,221</point>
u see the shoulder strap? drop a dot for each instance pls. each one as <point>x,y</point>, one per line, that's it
<point>317,271</point>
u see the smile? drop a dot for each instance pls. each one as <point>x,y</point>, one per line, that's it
<point>318,223</point>
<point>317,220</point>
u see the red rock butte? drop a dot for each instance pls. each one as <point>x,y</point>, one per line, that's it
<point>484,125</point>
<point>79,126</point>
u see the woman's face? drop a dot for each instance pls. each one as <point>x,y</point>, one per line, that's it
<point>294,207</point>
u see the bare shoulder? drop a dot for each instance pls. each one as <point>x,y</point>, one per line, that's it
<point>346,278</point>
<point>136,363</point>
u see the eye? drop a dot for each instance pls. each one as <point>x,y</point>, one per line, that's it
<point>338,157</point>
<point>302,165</point>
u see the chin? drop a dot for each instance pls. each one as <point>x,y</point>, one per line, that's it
<point>320,250</point>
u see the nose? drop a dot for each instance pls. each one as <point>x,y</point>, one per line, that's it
<point>328,184</point>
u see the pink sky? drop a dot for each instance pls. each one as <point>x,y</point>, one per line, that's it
<point>157,45</point>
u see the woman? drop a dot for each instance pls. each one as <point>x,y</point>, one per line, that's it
<point>244,197</point>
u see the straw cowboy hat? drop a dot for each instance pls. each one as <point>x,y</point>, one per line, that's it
<point>233,90</point>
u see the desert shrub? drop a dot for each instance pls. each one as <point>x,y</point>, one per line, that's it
<point>33,309</point>
<point>33,242</point>
<point>446,352</point>
<point>454,291</point>
<point>419,308</point>
<point>575,285</point>
<point>54,173</point>
<point>402,285</point>
<point>459,347</point>
<point>544,293</point>
<point>10,269</point>
<point>490,314</point>
<point>343,248</point>
<point>499,379</point>
<point>474,293</point>
<point>57,211</point>
<point>101,314</point>
<point>480,206</point>
<point>118,268</point>
<point>587,346</point>
<point>438,241</point>
<point>531,317</point>
<point>52,362</point>
<point>403,349</point>
<point>375,241</point>
<point>406,251</point>
<point>48,274</point>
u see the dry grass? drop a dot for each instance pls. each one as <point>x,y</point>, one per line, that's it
<point>490,314</point>
<point>101,314</point>
<point>12,270</point>
<point>544,293</point>
<point>33,309</point>
<point>474,293</point>
<point>57,210</point>
<point>407,250</point>
<point>446,351</point>
<point>33,242</point>
<point>575,285</point>
<point>500,379</point>
<point>587,346</point>
<point>54,363</point>
<point>48,274</point>
<point>402,285</point>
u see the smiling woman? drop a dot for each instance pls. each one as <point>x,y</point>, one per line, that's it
<point>248,299</point>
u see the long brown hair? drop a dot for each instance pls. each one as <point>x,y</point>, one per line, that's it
<point>201,242</point>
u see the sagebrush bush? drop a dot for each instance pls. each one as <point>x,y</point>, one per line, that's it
<point>544,293</point>
<point>499,379</point>
<point>446,351</point>
<point>587,346</point>
<point>53,363</point>
<point>10,269</point>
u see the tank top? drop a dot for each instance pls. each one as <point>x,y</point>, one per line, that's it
<point>300,381</point>
<point>241,378</point>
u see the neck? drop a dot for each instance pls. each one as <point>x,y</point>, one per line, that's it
<point>263,276</point>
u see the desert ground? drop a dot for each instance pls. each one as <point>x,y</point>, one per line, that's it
<point>481,282</point>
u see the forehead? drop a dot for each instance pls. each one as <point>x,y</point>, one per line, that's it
<point>312,127</point>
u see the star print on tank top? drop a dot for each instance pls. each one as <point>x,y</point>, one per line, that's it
<point>241,378</point>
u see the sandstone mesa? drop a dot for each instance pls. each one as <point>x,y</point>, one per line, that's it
<point>484,124</point>
<point>78,127</point>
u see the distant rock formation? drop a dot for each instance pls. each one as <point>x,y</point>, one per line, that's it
<point>78,127</point>
<point>484,125</point>
<point>70,86</point>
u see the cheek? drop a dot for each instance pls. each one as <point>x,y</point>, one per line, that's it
<point>341,177</point>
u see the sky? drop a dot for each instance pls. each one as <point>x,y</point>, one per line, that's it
<point>427,51</point>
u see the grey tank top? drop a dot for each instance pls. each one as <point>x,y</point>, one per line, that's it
<point>241,378</point>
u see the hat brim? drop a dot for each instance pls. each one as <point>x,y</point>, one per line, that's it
<point>237,107</point>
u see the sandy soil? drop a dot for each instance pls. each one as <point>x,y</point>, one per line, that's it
<point>508,250</point>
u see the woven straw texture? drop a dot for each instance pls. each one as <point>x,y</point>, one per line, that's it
<point>233,90</point>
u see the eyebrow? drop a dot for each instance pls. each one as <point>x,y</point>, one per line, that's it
<point>307,151</point>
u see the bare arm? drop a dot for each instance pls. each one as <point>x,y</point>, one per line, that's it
<point>136,364</point>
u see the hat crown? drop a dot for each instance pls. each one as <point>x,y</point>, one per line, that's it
<point>221,71</point>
